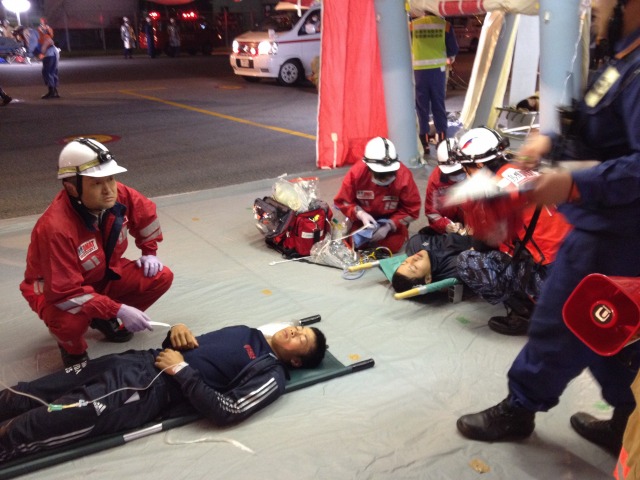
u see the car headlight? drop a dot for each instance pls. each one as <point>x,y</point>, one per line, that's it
<point>267,47</point>
<point>235,46</point>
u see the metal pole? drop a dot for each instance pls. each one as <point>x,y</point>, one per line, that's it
<point>397,76</point>
<point>560,58</point>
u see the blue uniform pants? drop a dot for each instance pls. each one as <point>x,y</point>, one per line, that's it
<point>50,70</point>
<point>430,95</point>
<point>553,355</point>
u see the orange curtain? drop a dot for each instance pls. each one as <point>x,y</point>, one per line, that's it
<point>351,107</point>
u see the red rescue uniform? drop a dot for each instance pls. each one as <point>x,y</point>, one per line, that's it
<point>67,282</point>
<point>399,202</point>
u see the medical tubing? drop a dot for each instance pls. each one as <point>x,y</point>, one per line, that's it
<point>54,407</point>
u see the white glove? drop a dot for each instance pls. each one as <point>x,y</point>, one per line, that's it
<point>382,232</point>
<point>133,319</point>
<point>152,265</point>
<point>367,220</point>
<point>453,227</point>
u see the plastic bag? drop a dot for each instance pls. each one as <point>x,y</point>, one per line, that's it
<point>334,253</point>
<point>298,194</point>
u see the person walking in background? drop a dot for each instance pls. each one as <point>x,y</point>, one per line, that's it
<point>432,44</point>
<point>50,57</point>
<point>128,37</point>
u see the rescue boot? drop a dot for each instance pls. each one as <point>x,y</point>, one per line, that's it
<point>5,98</point>
<point>49,94</point>
<point>112,330</point>
<point>69,359</point>
<point>605,433</point>
<point>516,322</point>
<point>424,141</point>
<point>504,421</point>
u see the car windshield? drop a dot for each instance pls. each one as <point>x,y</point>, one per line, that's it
<point>282,21</point>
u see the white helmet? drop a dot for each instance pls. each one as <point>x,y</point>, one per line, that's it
<point>85,156</point>
<point>380,155</point>
<point>447,162</point>
<point>481,145</point>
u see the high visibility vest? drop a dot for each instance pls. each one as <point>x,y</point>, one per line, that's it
<point>428,42</point>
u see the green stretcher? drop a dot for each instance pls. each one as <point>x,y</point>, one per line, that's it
<point>330,368</point>
<point>391,264</point>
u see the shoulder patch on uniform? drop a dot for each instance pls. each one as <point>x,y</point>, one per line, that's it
<point>87,248</point>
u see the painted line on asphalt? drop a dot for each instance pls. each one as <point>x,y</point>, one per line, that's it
<point>219,115</point>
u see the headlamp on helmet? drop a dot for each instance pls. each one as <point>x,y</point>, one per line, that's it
<point>446,154</point>
<point>380,155</point>
<point>87,157</point>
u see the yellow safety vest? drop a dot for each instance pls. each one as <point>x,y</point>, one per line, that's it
<point>428,42</point>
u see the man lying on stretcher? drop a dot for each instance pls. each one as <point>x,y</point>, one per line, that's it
<point>226,375</point>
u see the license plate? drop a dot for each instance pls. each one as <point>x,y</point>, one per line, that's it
<point>245,62</point>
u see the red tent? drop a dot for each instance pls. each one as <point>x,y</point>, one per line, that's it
<point>351,98</point>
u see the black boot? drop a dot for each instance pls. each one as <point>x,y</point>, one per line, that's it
<point>501,422</point>
<point>112,330</point>
<point>55,94</point>
<point>516,322</point>
<point>70,359</point>
<point>49,94</point>
<point>5,98</point>
<point>605,433</point>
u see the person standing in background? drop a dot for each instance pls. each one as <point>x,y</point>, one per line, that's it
<point>128,37</point>
<point>50,57</point>
<point>432,44</point>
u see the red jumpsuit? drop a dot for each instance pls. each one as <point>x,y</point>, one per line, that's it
<point>437,215</point>
<point>66,280</point>
<point>399,202</point>
<point>550,229</point>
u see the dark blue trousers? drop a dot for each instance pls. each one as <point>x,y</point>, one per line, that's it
<point>50,71</point>
<point>430,96</point>
<point>26,425</point>
<point>553,355</point>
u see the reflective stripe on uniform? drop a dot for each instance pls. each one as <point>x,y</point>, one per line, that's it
<point>90,264</point>
<point>74,305</point>
<point>151,231</point>
<point>38,287</point>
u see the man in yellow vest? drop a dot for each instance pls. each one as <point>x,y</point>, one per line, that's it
<point>433,43</point>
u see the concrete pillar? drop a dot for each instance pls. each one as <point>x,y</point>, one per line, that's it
<point>397,76</point>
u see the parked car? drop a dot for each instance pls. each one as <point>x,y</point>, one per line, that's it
<point>281,47</point>
<point>467,30</point>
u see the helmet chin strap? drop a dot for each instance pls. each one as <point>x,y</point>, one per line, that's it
<point>384,182</point>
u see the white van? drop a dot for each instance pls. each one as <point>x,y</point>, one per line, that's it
<point>282,48</point>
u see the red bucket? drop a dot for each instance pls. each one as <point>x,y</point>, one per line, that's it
<point>604,312</point>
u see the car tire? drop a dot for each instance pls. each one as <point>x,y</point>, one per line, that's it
<point>251,79</point>
<point>291,72</point>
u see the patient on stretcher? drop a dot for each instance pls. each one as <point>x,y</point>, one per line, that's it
<point>431,258</point>
<point>225,375</point>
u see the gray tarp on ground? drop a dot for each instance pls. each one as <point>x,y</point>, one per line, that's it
<point>434,362</point>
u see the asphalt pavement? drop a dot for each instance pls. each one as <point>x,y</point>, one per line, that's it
<point>177,124</point>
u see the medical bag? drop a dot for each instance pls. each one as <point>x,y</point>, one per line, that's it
<point>289,232</point>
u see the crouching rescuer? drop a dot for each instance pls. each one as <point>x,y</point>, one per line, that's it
<point>76,275</point>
